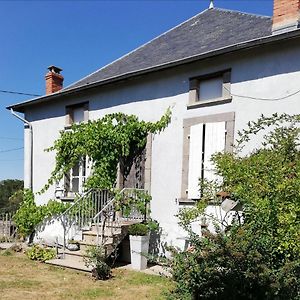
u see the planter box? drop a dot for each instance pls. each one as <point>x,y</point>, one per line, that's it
<point>139,246</point>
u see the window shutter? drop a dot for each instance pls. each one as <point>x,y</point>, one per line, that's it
<point>195,161</point>
<point>214,142</point>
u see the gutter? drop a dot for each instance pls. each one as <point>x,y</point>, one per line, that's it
<point>225,50</point>
<point>30,183</point>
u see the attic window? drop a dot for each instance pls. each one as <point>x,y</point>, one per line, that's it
<point>77,113</point>
<point>210,89</point>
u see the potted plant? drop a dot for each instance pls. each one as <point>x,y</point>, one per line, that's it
<point>139,245</point>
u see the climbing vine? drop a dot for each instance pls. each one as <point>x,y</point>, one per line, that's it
<point>112,140</point>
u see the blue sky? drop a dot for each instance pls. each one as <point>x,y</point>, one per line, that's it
<point>79,37</point>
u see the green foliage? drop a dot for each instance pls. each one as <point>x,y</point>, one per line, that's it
<point>95,257</point>
<point>144,228</point>
<point>15,200</point>
<point>138,229</point>
<point>29,215</point>
<point>116,138</point>
<point>259,257</point>
<point>138,200</point>
<point>231,267</point>
<point>7,189</point>
<point>40,253</point>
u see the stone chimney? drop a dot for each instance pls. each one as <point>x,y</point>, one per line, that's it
<point>54,80</point>
<point>286,15</point>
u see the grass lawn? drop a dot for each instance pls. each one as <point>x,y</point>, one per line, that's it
<point>21,278</point>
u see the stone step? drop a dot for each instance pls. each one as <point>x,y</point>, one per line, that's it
<point>94,240</point>
<point>118,224</point>
<point>72,254</point>
<point>107,232</point>
<point>85,245</point>
<point>73,263</point>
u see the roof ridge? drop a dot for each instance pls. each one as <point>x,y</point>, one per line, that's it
<point>136,49</point>
<point>242,13</point>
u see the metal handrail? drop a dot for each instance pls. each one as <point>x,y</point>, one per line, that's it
<point>102,217</point>
<point>82,211</point>
<point>75,203</point>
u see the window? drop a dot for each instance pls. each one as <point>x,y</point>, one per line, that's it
<point>73,182</point>
<point>76,113</point>
<point>205,140</point>
<point>75,179</point>
<point>203,136</point>
<point>210,89</point>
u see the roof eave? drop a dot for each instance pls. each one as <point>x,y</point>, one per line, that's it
<point>236,47</point>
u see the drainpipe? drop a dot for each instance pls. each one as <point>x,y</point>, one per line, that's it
<point>28,179</point>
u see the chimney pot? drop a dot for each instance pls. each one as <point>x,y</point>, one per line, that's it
<point>54,80</point>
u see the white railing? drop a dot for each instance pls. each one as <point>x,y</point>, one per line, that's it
<point>80,215</point>
<point>98,208</point>
<point>108,221</point>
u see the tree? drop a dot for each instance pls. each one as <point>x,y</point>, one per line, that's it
<point>7,188</point>
<point>259,257</point>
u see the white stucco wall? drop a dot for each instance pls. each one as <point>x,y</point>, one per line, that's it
<point>271,72</point>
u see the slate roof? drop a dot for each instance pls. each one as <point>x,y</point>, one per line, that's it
<point>208,31</point>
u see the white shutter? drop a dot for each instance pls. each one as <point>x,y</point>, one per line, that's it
<point>214,142</point>
<point>195,161</point>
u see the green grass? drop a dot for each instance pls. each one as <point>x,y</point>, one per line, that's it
<point>24,279</point>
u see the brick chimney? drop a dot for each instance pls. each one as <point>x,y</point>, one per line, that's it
<point>54,80</point>
<point>286,15</point>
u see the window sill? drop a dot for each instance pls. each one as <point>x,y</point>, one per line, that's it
<point>207,103</point>
<point>68,127</point>
<point>67,199</point>
<point>184,201</point>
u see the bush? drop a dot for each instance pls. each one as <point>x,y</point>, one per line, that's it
<point>138,229</point>
<point>95,258</point>
<point>40,253</point>
<point>257,257</point>
<point>29,215</point>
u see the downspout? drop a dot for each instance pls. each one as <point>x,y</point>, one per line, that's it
<point>30,182</point>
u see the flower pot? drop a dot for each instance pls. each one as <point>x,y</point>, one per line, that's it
<point>139,246</point>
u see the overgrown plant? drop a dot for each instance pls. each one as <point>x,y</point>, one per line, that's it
<point>39,253</point>
<point>95,258</point>
<point>115,139</point>
<point>259,257</point>
<point>138,229</point>
<point>29,215</point>
<point>138,200</point>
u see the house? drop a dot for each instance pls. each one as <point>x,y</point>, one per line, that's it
<point>216,71</point>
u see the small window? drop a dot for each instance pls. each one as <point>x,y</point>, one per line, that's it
<point>210,90</point>
<point>76,113</point>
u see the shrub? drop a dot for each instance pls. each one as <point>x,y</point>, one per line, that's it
<point>95,257</point>
<point>138,229</point>
<point>29,215</point>
<point>257,258</point>
<point>40,253</point>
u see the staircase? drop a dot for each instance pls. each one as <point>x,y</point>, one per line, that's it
<point>94,220</point>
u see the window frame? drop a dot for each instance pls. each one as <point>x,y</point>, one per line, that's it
<point>70,113</point>
<point>195,102</point>
<point>229,119</point>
